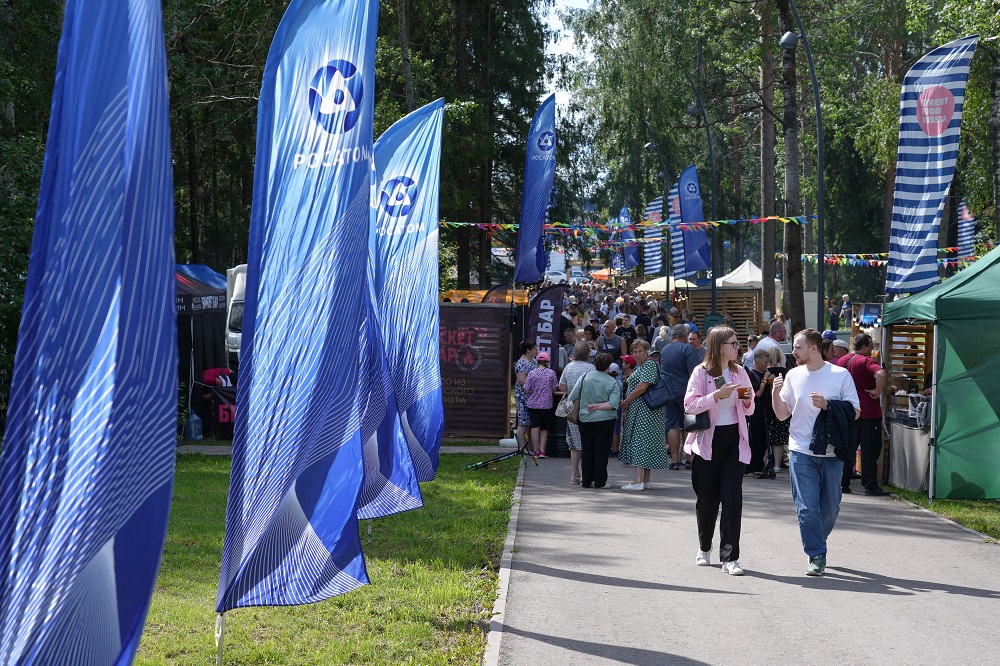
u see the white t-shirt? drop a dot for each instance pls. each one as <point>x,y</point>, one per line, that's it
<point>726,414</point>
<point>764,343</point>
<point>830,381</point>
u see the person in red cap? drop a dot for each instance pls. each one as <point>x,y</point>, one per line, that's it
<point>539,387</point>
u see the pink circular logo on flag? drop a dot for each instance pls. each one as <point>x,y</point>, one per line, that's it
<point>935,108</point>
<point>675,205</point>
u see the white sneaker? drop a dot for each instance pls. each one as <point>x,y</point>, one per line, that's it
<point>704,558</point>
<point>634,486</point>
<point>647,486</point>
<point>732,568</point>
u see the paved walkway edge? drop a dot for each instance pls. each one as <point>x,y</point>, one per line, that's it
<point>491,657</point>
<point>950,521</point>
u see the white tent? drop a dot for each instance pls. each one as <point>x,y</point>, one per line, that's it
<point>660,285</point>
<point>748,274</point>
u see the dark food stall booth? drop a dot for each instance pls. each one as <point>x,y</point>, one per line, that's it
<point>201,328</point>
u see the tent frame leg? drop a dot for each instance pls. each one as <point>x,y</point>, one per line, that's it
<point>933,452</point>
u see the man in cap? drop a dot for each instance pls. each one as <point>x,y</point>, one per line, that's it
<point>840,350</point>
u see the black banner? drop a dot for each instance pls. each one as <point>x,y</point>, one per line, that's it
<point>545,322</point>
<point>222,406</point>
<point>498,294</point>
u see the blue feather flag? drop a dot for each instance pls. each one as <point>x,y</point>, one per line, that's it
<point>291,523</point>
<point>404,276</point>
<point>539,174</point>
<point>631,252</point>
<point>930,122</point>
<point>696,248</point>
<point>88,456</point>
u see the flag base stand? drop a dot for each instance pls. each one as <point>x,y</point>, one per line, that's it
<point>220,637</point>
<point>522,450</point>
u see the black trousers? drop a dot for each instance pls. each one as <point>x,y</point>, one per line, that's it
<point>870,441</point>
<point>848,475</point>
<point>758,444</point>
<point>720,481</point>
<point>595,445</point>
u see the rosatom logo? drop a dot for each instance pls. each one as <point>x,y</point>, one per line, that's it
<point>396,201</point>
<point>547,141</point>
<point>691,188</point>
<point>335,96</point>
<point>397,196</point>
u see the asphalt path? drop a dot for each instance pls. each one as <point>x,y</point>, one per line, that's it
<point>608,577</point>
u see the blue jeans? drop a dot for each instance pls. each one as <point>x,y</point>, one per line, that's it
<point>816,494</point>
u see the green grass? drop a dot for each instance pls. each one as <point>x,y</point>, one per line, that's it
<point>433,574</point>
<point>470,442</point>
<point>208,441</point>
<point>980,515</point>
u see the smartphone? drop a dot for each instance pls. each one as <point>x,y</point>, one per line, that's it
<point>720,382</point>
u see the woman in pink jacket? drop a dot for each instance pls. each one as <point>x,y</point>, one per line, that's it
<point>721,387</point>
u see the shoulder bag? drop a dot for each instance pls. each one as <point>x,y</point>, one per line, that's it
<point>659,394</point>
<point>570,409</point>
<point>697,422</point>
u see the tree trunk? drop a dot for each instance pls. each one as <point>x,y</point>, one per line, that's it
<point>7,18</point>
<point>194,188</point>
<point>485,216</point>
<point>994,133</point>
<point>464,250</point>
<point>893,71</point>
<point>808,230</point>
<point>404,47</point>
<point>767,260</point>
<point>792,274</point>
<point>738,254</point>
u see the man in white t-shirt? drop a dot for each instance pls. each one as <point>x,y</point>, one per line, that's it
<point>802,394</point>
<point>776,335</point>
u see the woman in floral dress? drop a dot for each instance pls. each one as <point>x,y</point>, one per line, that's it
<point>524,365</point>
<point>642,443</point>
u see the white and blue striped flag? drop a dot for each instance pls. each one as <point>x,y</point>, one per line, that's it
<point>88,457</point>
<point>291,523</point>
<point>966,231</point>
<point>403,266</point>
<point>679,265</point>
<point>652,253</point>
<point>930,119</point>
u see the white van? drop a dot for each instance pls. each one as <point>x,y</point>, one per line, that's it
<point>236,288</point>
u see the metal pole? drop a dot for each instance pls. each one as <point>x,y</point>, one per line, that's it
<point>711,159</point>
<point>820,253</point>
<point>934,385</point>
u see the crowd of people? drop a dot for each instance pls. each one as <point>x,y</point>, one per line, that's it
<point>659,393</point>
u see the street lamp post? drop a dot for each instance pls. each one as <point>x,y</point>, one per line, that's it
<point>711,158</point>
<point>651,146</point>
<point>789,41</point>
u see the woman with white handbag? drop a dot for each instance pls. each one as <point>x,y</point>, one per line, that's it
<point>578,367</point>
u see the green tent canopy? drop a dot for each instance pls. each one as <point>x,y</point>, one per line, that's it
<point>971,294</point>
<point>966,310</point>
